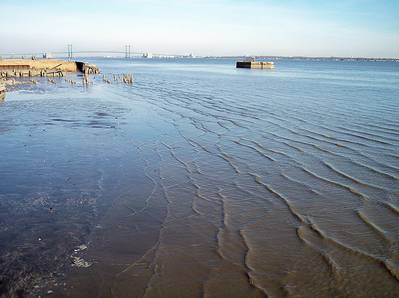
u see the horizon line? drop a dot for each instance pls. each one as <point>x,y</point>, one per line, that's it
<point>139,54</point>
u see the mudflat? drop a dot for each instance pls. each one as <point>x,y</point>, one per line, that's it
<point>200,179</point>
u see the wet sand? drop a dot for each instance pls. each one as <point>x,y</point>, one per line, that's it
<point>193,183</point>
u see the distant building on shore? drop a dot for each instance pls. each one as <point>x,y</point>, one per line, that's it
<point>147,55</point>
<point>47,55</point>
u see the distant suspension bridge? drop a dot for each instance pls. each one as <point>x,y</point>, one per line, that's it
<point>70,53</point>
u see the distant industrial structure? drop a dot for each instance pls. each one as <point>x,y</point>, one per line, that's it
<point>47,55</point>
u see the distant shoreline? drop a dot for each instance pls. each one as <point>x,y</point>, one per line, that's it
<point>167,57</point>
<point>308,58</point>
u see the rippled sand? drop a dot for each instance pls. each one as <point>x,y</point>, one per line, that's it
<point>203,180</point>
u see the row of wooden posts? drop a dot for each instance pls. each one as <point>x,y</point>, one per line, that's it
<point>31,73</point>
<point>119,78</point>
<point>115,78</point>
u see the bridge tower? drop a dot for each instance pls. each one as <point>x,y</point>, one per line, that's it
<point>70,51</point>
<point>127,51</point>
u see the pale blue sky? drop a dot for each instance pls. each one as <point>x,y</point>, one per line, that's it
<point>219,27</point>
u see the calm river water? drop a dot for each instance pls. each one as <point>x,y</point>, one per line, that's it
<point>202,180</point>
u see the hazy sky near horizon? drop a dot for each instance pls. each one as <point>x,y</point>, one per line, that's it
<point>368,28</point>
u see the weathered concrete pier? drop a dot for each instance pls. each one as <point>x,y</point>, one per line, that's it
<point>255,64</point>
<point>87,68</point>
<point>42,67</point>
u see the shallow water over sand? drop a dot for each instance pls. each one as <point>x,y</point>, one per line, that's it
<point>204,180</point>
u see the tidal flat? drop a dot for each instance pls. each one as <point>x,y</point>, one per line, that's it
<point>202,180</point>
